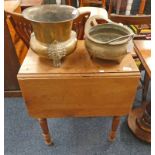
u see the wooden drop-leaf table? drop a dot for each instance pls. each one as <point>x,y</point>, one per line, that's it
<point>139,119</point>
<point>81,87</point>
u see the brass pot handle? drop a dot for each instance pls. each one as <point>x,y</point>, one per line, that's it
<point>92,22</point>
<point>129,36</point>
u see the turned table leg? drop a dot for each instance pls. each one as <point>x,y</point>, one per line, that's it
<point>115,123</point>
<point>45,130</point>
<point>145,87</point>
<point>139,121</point>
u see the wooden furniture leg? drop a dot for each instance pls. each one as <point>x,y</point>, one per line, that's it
<point>115,123</point>
<point>139,122</point>
<point>45,131</point>
<point>145,86</point>
<point>11,64</point>
<point>145,121</point>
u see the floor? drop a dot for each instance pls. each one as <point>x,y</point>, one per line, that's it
<point>72,136</point>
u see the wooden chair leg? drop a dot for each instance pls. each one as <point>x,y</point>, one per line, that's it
<point>115,123</point>
<point>45,131</point>
<point>145,87</point>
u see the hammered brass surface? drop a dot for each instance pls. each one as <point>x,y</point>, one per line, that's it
<point>48,32</point>
<point>51,22</point>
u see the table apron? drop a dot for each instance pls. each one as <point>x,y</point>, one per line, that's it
<point>79,97</point>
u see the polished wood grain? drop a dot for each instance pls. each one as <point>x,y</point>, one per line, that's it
<point>140,132</point>
<point>85,96</point>
<point>131,19</point>
<point>45,130</point>
<point>11,63</point>
<point>89,2</point>
<point>144,122</point>
<point>76,64</point>
<point>12,58</point>
<point>68,2</point>
<point>79,24</point>
<point>139,120</point>
<point>142,6</point>
<point>84,81</point>
<point>143,50</point>
<point>22,26</point>
<point>14,6</point>
<point>146,83</point>
<point>21,49</point>
<point>81,87</point>
<point>110,7</point>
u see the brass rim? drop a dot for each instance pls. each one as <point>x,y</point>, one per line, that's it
<point>25,12</point>
<point>100,42</point>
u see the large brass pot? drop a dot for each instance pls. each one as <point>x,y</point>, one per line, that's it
<point>53,37</point>
<point>107,41</point>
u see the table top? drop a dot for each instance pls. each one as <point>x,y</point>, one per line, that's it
<point>77,63</point>
<point>143,50</point>
<point>12,5</point>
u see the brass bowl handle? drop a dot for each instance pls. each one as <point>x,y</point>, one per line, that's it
<point>129,36</point>
<point>92,20</point>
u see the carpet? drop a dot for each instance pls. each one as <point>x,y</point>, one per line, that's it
<point>72,136</point>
